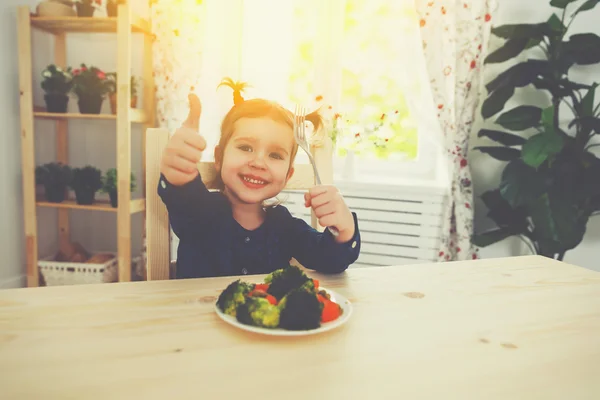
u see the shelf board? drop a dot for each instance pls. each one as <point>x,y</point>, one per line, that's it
<point>86,24</point>
<point>135,114</point>
<point>136,205</point>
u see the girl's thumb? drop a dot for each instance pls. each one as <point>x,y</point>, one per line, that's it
<point>193,118</point>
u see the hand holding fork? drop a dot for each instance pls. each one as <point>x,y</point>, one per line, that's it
<point>325,200</point>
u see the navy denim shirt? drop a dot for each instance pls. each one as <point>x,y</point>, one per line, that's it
<point>213,243</point>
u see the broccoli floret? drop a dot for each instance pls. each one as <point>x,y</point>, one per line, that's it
<point>282,281</point>
<point>300,310</point>
<point>257,311</point>
<point>309,286</point>
<point>233,296</point>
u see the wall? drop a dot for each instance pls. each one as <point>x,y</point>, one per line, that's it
<point>486,171</point>
<point>90,142</point>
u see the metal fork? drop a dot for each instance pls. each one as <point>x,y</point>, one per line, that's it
<point>300,136</point>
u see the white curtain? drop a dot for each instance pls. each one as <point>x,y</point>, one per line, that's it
<point>455,38</point>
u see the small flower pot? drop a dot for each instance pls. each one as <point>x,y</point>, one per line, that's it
<point>113,102</point>
<point>55,194</point>
<point>114,198</point>
<point>112,9</point>
<point>85,196</point>
<point>56,103</point>
<point>85,10</point>
<point>90,104</point>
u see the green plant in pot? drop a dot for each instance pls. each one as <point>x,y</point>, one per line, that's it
<point>55,178</point>
<point>86,182</point>
<point>90,85</point>
<point>551,185</point>
<point>110,184</point>
<point>57,84</point>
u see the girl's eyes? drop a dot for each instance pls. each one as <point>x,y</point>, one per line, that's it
<point>248,148</point>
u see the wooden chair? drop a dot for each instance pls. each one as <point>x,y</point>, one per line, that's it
<point>158,239</point>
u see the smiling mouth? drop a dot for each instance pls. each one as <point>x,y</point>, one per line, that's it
<point>253,182</point>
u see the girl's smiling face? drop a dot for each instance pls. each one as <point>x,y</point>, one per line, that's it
<point>256,163</point>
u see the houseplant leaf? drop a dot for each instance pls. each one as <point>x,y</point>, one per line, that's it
<point>505,138</point>
<point>588,5</point>
<point>558,222</point>
<point>561,3</point>
<point>511,31</point>
<point>496,101</point>
<point>519,75</point>
<point>554,26</point>
<point>587,103</point>
<point>584,48</point>
<point>539,147</point>
<point>500,153</point>
<point>521,184</point>
<point>502,213</point>
<point>510,49</point>
<point>520,118</point>
<point>490,237</point>
<point>588,123</point>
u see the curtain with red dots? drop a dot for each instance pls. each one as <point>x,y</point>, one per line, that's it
<point>455,35</point>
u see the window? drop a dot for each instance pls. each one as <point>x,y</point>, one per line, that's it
<point>361,60</point>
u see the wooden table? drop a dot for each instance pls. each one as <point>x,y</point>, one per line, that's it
<point>515,328</point>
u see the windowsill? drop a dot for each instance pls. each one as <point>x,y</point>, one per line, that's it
<point>389,182</point>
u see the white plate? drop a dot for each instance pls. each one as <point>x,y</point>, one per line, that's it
<point>326,326</point>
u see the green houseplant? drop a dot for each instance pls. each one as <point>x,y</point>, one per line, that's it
<point>90,85</point>
<point>551,185</point>
<point>86,182</point>
<point>57,84</point>
<point>55,178</point>
<point>110,184</point>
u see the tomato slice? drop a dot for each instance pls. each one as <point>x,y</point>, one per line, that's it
<point>331,311</point>
<point>261,286</point>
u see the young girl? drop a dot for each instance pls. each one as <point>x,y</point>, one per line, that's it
<point>230,231</point>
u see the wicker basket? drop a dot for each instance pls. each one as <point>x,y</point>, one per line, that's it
<point>58,273</point>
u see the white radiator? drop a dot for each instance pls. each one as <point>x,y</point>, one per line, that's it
<point>398,225</point>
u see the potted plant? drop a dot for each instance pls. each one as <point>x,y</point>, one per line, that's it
<point>86,8</point>
<point>110,184</point>
<point>56,83</point>
<point>54,177</point>
<point>86,182</point>
<point>112,84</point>
<point>550,187</point>
<point>90,85</point>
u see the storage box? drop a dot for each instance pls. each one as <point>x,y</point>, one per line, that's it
<point>59,273</point>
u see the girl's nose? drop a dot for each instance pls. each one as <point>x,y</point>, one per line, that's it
<point>257,161</point>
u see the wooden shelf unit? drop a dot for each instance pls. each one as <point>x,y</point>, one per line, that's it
<point>124,26</point>
<point>135,206</point>
<point>135,115</point>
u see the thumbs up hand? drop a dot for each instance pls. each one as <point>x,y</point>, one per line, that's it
<point>184,150</point>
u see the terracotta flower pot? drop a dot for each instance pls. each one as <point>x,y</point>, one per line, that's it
<point>85,10</point>
<point>113,102</point>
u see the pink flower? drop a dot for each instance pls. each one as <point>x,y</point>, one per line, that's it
<point>101,75</point>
